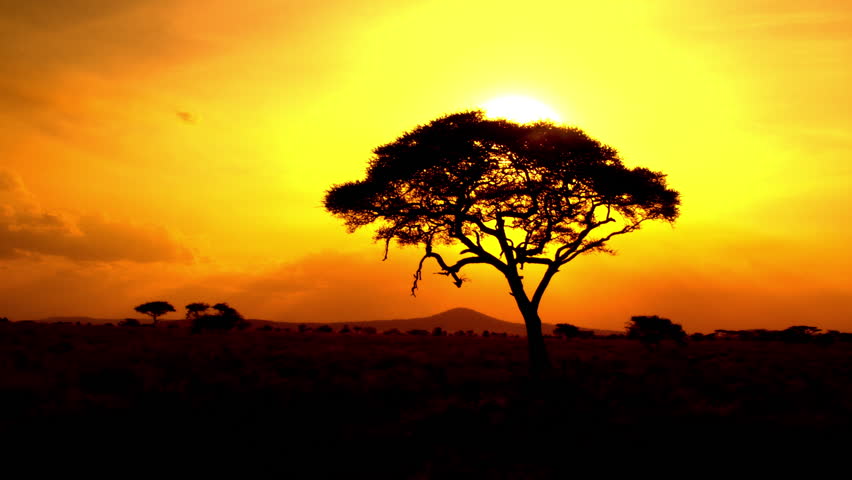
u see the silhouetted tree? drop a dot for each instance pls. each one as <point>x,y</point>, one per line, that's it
<point>799,334</point>
<point>652,330</point>
<point>4,320</point>
<point>195,310</point>
<point>225,318</point>
<point>368,330</point>
<point>566,330</point>
<point>438,332</point>
<point>511,194</point>
<point>155,309</point>
<point>324,329</point>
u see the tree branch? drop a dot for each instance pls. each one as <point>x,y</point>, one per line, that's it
<point>446,270</point>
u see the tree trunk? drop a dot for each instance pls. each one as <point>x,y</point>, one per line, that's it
<point>538,357</point>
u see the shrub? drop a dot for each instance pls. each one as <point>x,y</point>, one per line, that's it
<point>652,330</point>
<point>566,331</point>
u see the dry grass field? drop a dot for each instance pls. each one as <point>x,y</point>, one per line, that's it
<point>408,406</point>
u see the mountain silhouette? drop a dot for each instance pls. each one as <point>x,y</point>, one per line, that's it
<point>451,321</point>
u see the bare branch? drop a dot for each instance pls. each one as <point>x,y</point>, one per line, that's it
<point>446,270</point>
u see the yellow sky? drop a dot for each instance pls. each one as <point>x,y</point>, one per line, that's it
<point>180,150</point>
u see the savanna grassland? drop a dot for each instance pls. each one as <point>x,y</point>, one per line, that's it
<point>398,406</point>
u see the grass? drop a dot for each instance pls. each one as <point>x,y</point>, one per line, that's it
<point>406,406</point>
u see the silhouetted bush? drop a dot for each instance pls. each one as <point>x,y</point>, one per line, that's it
<point>304,328</point>
<point>392,331</point>
<point>697,337</point>
<point>368,330</point>
<point>799,334</point>
<point>417,332</point>
<point>438,332</point>
<point>345,329</point>
<point>566,330</point>
<point>652,330</point>
<point>324,329</point>
<point>129,322</point>
<point>4,320</point>
<point>265,328</point>
<point>226,318</point>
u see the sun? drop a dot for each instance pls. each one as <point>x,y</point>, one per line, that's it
<point>520,109</point>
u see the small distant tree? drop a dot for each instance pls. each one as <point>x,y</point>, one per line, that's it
<point>324,329</point>
<point>368,330</point>
<point>652,330</point>
<point>438,332</point>
<point>195,310</point>
<point>392,331</point>
<point>566,330</point>
<point>4,320</point>
<point>155,309</point>
<point>345,329</point>
<point>226,318</point>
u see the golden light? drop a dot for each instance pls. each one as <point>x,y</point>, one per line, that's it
<point>520,109</point>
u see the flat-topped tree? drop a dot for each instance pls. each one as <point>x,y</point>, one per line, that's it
<point>155,309</point>
<point>511,194</point>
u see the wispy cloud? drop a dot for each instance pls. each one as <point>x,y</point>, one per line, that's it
<point>26,229</point>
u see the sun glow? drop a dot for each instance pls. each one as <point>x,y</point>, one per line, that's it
<point>520,109</point>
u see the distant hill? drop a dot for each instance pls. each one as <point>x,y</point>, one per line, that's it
<point>450,320</point>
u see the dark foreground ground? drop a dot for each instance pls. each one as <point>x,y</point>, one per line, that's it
<point>78,398</point>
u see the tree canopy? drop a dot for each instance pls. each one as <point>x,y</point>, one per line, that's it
<point>511,194</point>
<point>155,309</point>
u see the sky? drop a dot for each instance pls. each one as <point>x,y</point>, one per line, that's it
<point>179,150</point>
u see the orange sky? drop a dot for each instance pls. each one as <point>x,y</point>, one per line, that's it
<point>180,150</point>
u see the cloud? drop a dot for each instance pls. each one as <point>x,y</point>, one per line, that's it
<point>187,117</point>
<point>27,230</point>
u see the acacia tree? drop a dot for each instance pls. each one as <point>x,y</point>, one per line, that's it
<point>155,309</point>
<point>196,309</point>
<point>511,194</point>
